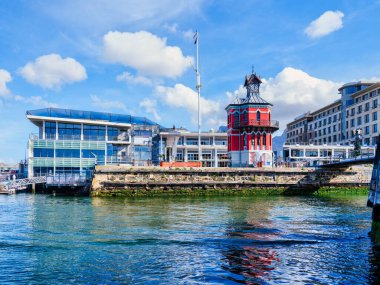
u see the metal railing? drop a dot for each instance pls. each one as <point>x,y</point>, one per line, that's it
<point>80,178</point>
<point>20,183</point>
<point>61,137</point>
<point>257,123</point>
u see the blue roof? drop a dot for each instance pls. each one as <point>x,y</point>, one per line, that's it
<point>89,115</point>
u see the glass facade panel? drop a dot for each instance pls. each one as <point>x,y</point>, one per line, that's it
<point>143,133</point>
<point>92,153</point>
<point>67,131</point>
<point>50,129</point>
<point>67,153</point>
<point>43,152</point>
<point>94,133</point>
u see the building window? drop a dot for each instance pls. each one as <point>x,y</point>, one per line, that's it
<point>374,116</point>
<point>334,118</point>
<point>366,130</point>
<point>43,152</point>
<point>366,118</point>
<point>375,128</point>
<point>324,121</point>
<point>192,156</point>
<point>70,131</point>
<point>179,156</point>
<point>359,109</point>
<point>353,112</point>
<point>359,120</point>
<point>245,117</point>
<point>258,141</point>
<point>50,129</point>
<point>67,153</point>
<point>94,132</point>
<point>366,106</point>
<point>374,103</point>
<point>236,118</point>
<point>352,122</point>
<point>143,133</point>
<point>258,116</point>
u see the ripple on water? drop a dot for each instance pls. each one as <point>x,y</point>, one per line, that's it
<point>206,240</point>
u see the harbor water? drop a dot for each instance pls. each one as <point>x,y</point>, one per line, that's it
<point>201,240</point>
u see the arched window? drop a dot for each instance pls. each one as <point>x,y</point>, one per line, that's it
<point>258,116</point>
<point>264,140</point>
<point>236,118</point>
<point>258,141</point>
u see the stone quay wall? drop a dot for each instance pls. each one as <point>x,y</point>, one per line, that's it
<point>141,181</point>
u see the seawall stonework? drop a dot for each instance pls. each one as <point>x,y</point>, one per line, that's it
<point>148,181</point>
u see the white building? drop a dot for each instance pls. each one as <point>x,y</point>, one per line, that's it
<point>337,123</point>
<point>182,145</point>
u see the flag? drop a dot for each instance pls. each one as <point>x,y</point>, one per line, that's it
<point>195,37</point>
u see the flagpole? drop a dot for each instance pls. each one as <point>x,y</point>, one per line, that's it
<point>199,99</point>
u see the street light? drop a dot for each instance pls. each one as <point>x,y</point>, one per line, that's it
<point>357,146</point>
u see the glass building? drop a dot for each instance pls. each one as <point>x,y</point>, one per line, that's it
<point>73,140</point>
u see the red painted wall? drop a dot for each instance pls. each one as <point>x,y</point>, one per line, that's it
<point>236,144</point>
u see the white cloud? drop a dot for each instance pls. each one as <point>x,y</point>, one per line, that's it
<point>171,28</point>
<point>35,100</point>
<point>52,71</point>
<point>107,105</point>
<point>150,106</point>
<point>188,35</point>
<point>5,77</point>
<point>294,86</point>
<point>104,14</point>
<point>181,96</point>
<point>327,23</point>
<point>127,77</point>
<point>145,52</point>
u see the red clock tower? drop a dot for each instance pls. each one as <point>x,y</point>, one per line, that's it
<point>250,127</point>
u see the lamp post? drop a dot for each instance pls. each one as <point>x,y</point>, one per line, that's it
<point>196,42</point>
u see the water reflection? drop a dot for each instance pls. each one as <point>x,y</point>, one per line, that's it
<point>205,240</point>
<point>248,259</point>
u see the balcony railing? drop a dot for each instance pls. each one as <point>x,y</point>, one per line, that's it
<point>119,138</point>
<point>256,123</point>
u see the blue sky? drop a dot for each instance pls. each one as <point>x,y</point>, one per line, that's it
<point>136,57</point>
